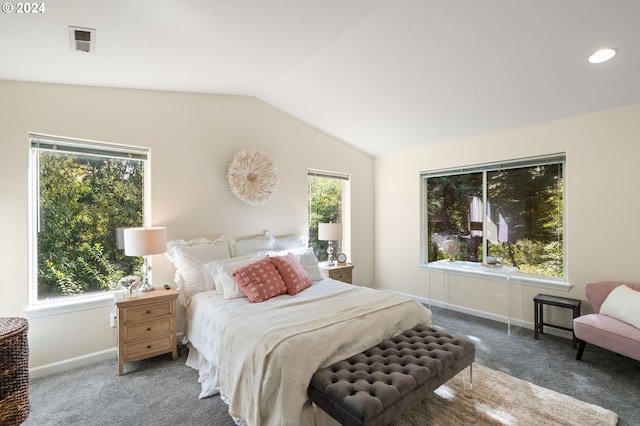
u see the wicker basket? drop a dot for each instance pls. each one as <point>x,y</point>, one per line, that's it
<point>14,371</point>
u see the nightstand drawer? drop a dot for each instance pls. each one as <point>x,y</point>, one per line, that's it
<point>147,348</point>
<point>147,311</point>
<point>344,276</point>
<point>148,329</point>
<point>338,272</point>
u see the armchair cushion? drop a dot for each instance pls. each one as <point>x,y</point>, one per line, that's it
<point>608,333</point>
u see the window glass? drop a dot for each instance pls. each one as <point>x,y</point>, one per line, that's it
<point>509,214</point>
<point>451,217</point>
<point>326,201</point>
<point>80,197</point>
<point>524,218</point>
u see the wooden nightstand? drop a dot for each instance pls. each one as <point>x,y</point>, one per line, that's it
<point>146,326</point>
<point>338,272</point>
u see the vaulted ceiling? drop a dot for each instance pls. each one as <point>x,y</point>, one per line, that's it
<point>381,75</point>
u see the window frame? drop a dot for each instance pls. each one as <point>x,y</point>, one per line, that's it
<point>38,142</point>
<point>464,268</point>
<point>346,205</point>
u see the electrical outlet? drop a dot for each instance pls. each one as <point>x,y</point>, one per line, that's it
<point>112,320</point>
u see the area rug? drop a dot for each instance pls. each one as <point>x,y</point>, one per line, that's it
<point>500,399</point>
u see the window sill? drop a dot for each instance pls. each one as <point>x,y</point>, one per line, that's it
<point>70,304</point>
<point>497,274</point>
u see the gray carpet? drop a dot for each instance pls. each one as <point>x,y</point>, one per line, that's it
<point>162,392</point>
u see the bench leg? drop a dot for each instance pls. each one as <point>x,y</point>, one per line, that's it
<point>581,346</point>
<point>471,377</point>
<point>536,319</point>
<point>576,314</point>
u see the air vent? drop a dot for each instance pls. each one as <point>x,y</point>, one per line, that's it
<point>82,39</point>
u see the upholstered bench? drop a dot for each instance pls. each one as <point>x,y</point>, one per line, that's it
<point>383,382</point>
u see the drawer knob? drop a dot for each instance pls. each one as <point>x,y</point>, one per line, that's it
<point>148,346</point>
<point>149,311</point>
<point>148,328</point>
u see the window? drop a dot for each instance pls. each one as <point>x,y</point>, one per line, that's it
<point>327,197</point>
<point>81,193</point>
<point>510,212</point>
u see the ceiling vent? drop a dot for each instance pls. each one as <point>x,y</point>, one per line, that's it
<point>82,39</point>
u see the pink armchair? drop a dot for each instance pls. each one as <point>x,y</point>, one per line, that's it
<point>602,330</point>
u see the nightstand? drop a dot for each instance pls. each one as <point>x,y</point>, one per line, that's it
<point>146,326</point>
<point>338,272</point>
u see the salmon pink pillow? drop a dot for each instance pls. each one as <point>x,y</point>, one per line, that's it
<point>259,281</point>
<point>292,272</point>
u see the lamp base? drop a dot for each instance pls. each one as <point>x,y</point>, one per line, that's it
<point>330,255</point>
<point>146,287</point>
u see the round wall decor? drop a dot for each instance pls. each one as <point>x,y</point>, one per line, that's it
<point>253,177</point>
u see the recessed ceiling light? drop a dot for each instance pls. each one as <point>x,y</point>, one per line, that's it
<point>602,55</point>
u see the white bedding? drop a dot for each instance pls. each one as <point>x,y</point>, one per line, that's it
<point>261,356</point>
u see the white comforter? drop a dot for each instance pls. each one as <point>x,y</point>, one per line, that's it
<point>261,356</point>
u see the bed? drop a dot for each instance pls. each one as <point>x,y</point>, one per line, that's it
<point>260,356</point>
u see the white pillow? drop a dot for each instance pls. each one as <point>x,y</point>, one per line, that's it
<point>201,248</point>
<point>307,259</point>
<point>189,257</point>
<point>219,274</point>
<point>623,303</point>
<point>292,241</point>
<point>250,245</point>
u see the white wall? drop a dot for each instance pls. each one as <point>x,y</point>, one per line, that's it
<point>193,138</point>
<point>602,207</point>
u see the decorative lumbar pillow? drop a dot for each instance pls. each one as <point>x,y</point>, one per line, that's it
<point>293,275</point>
<point>221,273</point>
<point>288,242</point>
<point>189,257</point>
<point>623,303</point>
<point>259,281</point>
<point>250,245</point>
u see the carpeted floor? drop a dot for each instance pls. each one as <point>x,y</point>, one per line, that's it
<point>161,392</point>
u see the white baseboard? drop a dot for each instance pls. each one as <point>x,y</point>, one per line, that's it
<point>483,314</point>
<point>77,362</point>
<point>73,363</point>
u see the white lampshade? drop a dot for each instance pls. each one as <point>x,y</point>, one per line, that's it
<point>330,231</point>
<point>145,241</point>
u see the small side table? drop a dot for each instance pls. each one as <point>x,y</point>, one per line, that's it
<point>146,326</point>
<point>563,302</point>
<point>338,272</point>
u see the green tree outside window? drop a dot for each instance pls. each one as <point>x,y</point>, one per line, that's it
<point>82,200</point>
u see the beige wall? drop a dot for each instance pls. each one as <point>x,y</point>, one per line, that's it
<point>602,207</point>
<point>193,138</point>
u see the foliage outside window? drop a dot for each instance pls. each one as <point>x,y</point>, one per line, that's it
<point>326,199</point>
<point>509,212</point>
<point>81,193</point>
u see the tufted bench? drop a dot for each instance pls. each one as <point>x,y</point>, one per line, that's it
<point>383,382</point>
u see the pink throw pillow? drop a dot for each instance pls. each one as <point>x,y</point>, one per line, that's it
<point>292,272</point>
<point>259,281</point>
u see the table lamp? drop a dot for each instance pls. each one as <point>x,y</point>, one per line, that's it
<point>145,242</point>
<point>330,232</point>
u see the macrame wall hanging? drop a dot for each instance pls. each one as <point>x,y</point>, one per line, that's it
<point>253,177</point>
